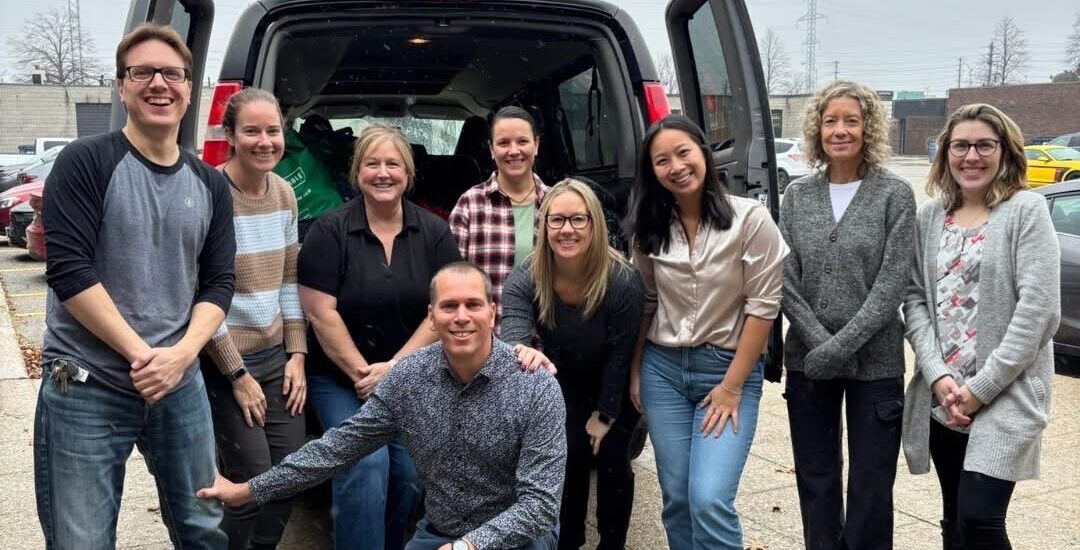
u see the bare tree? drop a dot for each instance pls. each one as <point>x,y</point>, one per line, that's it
<point>1072,49</point>
<point>51,41</point>
<point>775,63</point>
<point>1006,57</point>
<point>665,71</point>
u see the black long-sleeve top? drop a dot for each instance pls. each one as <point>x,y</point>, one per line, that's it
<point>592,355</point>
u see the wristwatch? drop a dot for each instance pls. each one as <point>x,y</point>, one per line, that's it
<point>459,545</point>
<point>604,418</point>
<point>236,374</point>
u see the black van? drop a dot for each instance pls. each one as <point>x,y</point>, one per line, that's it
<point>438,68</point>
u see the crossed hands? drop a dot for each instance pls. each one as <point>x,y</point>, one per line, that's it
<point>369,377</point>
<point>958,401</point>
<point>156,371</point>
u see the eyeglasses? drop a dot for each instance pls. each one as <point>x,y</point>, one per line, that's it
<point>143,73</point>
<point>984,147</point>
<point>579,221</point>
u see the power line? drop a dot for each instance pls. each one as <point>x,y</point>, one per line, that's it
<point>811,18</point>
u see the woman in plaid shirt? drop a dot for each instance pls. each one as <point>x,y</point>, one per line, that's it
<point>495,222</point>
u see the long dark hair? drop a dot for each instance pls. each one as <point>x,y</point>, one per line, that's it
<point>652,208</point>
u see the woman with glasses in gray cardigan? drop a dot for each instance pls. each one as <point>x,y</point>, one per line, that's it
<point>849,225</point>
<point>981,310</point>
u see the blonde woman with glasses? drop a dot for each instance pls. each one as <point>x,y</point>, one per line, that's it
<point>584,301</point>
<point>981,309</point>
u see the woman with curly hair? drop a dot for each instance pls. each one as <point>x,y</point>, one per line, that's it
<point>981,309</point>
<point>850,226</point>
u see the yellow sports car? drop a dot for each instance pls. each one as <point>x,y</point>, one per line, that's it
<point>1051,163</point>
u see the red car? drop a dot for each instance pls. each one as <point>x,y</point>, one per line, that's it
<point>15,196</point>
<point>35,232</point>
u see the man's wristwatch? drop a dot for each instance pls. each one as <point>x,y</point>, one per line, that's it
<point>459,544</point>
<point>604,418</point>
<point>236,374</point>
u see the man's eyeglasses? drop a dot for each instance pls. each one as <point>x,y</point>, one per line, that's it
<point>984,147</point>
<point>143,73</point>
<point>579,221</point>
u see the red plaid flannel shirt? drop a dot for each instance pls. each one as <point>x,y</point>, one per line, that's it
<point>483,225</point>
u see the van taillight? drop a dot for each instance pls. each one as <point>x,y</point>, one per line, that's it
<point>215,146</point>
<point>656,104</point>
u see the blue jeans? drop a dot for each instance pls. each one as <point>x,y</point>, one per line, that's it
<point>426,539</point>
<point>699,475</point>
<point>83,435</point>
<point>375,498</point>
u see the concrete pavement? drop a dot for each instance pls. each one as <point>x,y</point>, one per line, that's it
<point>1045,514</point>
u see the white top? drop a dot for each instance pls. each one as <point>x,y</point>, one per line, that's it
<point>841,195</point>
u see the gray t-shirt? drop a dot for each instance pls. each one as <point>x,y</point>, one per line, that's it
<point>159,239</point>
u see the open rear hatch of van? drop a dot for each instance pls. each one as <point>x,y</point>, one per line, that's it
<point>437,69</point>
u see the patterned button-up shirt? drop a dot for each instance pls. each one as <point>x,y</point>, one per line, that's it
<point>491,453</point>
<point>483,224</point>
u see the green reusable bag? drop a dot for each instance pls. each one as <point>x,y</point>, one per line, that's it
<point>309,177</point>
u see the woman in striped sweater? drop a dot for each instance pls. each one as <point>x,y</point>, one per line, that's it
<point>255,368</point>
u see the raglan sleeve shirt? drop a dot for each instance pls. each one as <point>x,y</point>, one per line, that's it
<point>71,213</point>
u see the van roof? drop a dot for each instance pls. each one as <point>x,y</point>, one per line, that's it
<point>238,62</point>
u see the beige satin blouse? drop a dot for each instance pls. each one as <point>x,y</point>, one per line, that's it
<point>704,297</point>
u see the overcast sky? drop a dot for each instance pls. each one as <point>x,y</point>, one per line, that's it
<point>890,45</point>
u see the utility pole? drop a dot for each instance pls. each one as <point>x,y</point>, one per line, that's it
<point>836,70</point>
<point>811,18</point>
<point>959,70</point>
<point>990,66</point>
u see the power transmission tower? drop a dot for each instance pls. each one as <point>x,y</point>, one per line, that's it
<point>811,18</point>
<point>75,34</point>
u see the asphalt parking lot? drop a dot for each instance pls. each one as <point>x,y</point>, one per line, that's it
<point>1044,513</point>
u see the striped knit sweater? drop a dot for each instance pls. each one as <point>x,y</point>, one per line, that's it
<point>265,308</point>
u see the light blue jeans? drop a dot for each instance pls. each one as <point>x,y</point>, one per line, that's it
<point>375,498</point>
<point>699,475</point>
<point>83,435</point>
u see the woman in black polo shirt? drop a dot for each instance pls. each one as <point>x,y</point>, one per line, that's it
<point>364,272</point>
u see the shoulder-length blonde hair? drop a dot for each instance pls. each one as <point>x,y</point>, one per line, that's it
<point>599,258</point>
<point>1012,170</point>
<point>875,125</point>
<point>373,136</point>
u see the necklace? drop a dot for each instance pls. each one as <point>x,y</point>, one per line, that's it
<point>527,198</point>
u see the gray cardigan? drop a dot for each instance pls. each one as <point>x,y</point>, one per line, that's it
<point>1019,310</point>
<point>844,281</point>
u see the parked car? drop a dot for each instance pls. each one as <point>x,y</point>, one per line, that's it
<point>16,196</point>
<point>1067,140</point>
<point>40,169</point>
<point>27,152</point>
<point>35,232</point>
<point>1064,202</point>
<point>1051,163</point>
<point>20,217</point>
<point>9,174</point>
<point>790,165</point>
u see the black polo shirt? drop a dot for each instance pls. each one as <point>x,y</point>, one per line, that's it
<point>381,304</point>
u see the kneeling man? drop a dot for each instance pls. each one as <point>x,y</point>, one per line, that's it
<point>487,438</point>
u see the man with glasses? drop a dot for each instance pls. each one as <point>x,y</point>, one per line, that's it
<point>140,273</point>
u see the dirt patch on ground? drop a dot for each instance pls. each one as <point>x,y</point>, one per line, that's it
<point>31,358</point>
